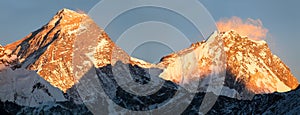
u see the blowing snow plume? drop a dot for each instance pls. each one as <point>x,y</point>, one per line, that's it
<point>252,28</point>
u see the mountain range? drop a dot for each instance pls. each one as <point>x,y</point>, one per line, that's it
<point>70,65</point>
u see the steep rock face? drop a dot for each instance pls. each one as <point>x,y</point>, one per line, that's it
<point>7,59</point>
<point>44,93</point>
<point>52,50</point>
<point>67,43</point>
<point>198,67</point>
<point>249,64</point>
<point>49,49</point>
<point>66,49</point>
<point>253,63</point>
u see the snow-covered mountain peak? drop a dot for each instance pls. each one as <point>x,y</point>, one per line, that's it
<point>65,16</point>
<point>250,65</point>
<point>64,45</point>
<point>253,63</point>
<point>73,54</point>
<point>54,51</point>
<point>49,49</point>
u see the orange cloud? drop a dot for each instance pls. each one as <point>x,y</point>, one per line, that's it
<point>251,28</point>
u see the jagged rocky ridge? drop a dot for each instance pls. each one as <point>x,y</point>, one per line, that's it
<point>275,103</point>
<point>50,51</point>
<point>250,63</point>
<point>7,59</point>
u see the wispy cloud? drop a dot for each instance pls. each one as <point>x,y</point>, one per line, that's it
<point>252,28</point>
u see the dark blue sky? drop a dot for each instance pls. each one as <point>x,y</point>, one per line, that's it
<point>281,18</point>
